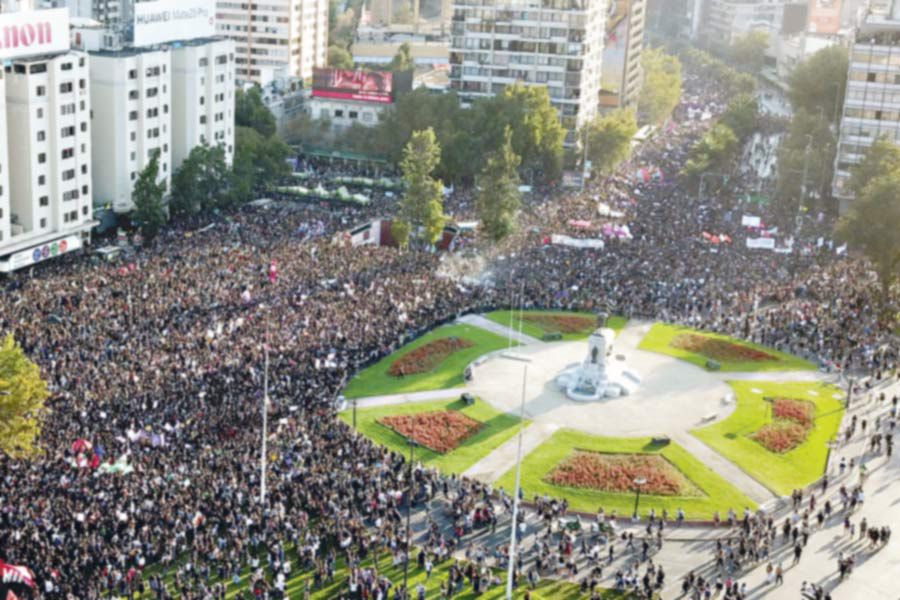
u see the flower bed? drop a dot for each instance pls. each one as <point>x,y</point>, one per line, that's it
<point>440,431</point>
<point>425,358</point>
<point>719,350</point>
<point>561,323</point>
<point>617,472</point>
<point>792,420</point>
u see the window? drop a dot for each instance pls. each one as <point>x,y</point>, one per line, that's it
<point>133,95</point>
<point>70,195</point>
<point>202,100</point>
<point>353,114</point>
<point>67,131</point>
<point>40,113</point>
<point>132,175</point>
<point>41,136</point>
<point>203,62</point>
<point>84,127</point>
<point>42,158</point>
<point>132,156</point>
<point>203,119</point>
<point>133,136</point>
<point>42,179</point>
<point>151,92</point>
<point>43,224</point>
<point>40,91</point>
<point>84,210</point>
<point>84,190</point>
<point>870,77</point>
<point>68,174</point>
<point>133,115</point>
<point>82,84</point>
<point>338,113</point>
<point>65,88</point>
<point>68,153</point>
<point>44,201</point>
<point>84,169</point>
<point>132,74</point>
<point>65,67</point>
<point>152,112</point>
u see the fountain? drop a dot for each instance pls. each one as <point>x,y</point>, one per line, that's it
<point>596,378</point>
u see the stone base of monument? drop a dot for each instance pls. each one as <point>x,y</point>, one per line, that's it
<point>595,379</point>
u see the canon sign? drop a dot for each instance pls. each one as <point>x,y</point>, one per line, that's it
<point>34,32</point>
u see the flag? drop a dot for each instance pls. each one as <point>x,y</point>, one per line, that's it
<point>273,272</point>
<point>13,574</point>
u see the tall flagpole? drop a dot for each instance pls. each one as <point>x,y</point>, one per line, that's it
<point>265,419</point>
<point>515,511</point>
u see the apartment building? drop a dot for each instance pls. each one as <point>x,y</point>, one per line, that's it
<point>4,168</point>
<point>726,20</point>
<point>132,120</point>
<point>622,75</point>
<point>552,43</point>
<point>46,205</point>
<point>872,101</point>
<point>275,38</point>
<point>202,96</point>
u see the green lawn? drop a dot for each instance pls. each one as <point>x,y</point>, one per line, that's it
<point>719,495</point>
<point>536,331</point>
<point>661,335</point>
<point>296,586</point>
<point>375,381</point>
<point>781,473</point>
<point>498,428</point>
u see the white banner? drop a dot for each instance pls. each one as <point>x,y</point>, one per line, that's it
<point>168,20</point>
<point>763,243</point>
<point>34,32</point>
<point>750,221</point>
<point>564,240</point>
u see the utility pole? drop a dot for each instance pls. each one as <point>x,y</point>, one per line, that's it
<point>516,492</point>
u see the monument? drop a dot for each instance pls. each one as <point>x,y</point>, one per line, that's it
<point>596,378</point>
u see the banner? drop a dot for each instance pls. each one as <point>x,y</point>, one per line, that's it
<point>344,84</point>
<point>564,240</point>
<point>33,32</point>
<point>750,221</point>
<point>761,243</point>
<point>168,20</point>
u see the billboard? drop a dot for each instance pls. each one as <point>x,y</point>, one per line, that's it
<point>367,86</point>
<point>615,49</point>
<point>27,258</point>
<point>824,16</point>
<point>168,20</point>
<point>34,32</point>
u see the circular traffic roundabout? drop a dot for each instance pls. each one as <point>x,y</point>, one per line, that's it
<point>676,419</point>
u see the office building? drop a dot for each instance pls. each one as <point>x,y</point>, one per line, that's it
<point>284,38</point>
<point>46,204</point>
<point>725,20</point>
<point>202,96</point>
<point>622,75</point>
<point>872,101</point>
<point>4,168</point>
<point>552,43</point>
<point>132,120</point>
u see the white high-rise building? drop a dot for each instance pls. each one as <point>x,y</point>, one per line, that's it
<point>202,97</point>
<point>284,38</point>
<point>552,43</point>
<point>49,166</point>
<point>872,101</point>
<point>4,167</point>
<point>132,120</point>
<point>726,20</point>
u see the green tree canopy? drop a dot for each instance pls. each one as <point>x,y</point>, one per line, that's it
<point>421,209</point>
<point>249,111</point>
<point>339,58</point>
<point>712,152</point>
<point>881,158</point>
<point>201,182</point>
<point>748,51</point>
<point>814,131</point>
<point>871,226</point>
<point>498,198</point>
<point>149,210</point>
<point>258,161</point>
<point>609,139</point>
<point>817,85</point>
<point>742,115</point>
<point>403,60</point>
<point>726,77</point>
<point>661,91</point>
<point>22,397</point>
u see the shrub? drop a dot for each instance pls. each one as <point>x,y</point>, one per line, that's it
<point>428,356</point>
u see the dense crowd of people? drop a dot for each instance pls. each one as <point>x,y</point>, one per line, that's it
<point>155,365</point>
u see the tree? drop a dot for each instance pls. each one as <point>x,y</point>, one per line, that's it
<point>881,158</point>
<point>713,152</point>
<point>812,132</point>
<point>741,115</point>
<point>817,85</point>
<point>871,225</point>
<point>498,195</point>
<point>149,211</point>
<point>339,58</point>
<point>22,397</point>
<point>609,139</point>
<point>661,91</point>
<point>403,60</point>
<point>422,209</point>
<point>201,181</point>
<point>249,111</point>
<point>748,51</point>
<point>258,161</point>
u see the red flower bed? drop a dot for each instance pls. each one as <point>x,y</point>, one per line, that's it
<point>441,430</point>
<point>792,421</point>
<point>719,350</point>
<point>562,323</point>
<point>428,356</point>
<point>617,472</point>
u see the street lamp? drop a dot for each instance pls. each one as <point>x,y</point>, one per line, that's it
<point>638,482</point>
<point>412,448</point>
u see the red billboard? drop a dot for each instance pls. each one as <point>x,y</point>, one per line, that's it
<point>824,16</point>
<point>367,86</point>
